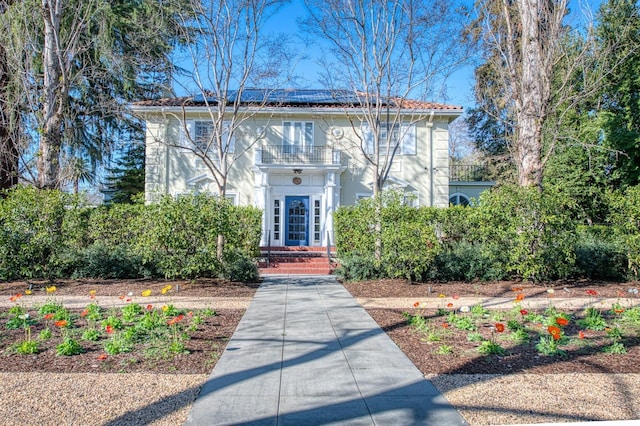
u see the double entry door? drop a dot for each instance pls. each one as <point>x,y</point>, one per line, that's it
<point>296,221</point>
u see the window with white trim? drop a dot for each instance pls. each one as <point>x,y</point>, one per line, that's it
<point>316,220</point>
<point>297,135</point>
<point>405,133</point>
<point>202,133</point>
<point>276,220</point>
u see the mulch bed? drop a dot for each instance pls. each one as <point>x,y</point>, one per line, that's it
<point>209,341</point>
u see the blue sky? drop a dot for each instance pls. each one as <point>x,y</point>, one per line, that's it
<point>460,85</point>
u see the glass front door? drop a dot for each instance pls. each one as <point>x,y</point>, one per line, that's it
<point>297,221</point>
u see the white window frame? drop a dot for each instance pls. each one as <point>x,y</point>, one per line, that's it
<point>298,134</point>
<point>407,132</point>
<point>204,144</point>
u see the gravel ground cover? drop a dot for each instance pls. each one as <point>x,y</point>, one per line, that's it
<point>40,391</point>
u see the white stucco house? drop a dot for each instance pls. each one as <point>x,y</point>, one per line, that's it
<point>298,155</point>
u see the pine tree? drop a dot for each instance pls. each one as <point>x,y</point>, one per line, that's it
<point>126,178</point>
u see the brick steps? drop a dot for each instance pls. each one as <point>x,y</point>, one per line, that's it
<point>295,261</point>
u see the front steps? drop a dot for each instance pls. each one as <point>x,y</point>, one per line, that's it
<point>294,260</point>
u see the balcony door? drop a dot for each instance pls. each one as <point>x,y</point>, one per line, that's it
<point>296,221</point>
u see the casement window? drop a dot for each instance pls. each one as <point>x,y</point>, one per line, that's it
<point>316,220</point>
<point>202,133</point>
<point>405,133</point>
<point>297,135</point>
<point>276,220</point>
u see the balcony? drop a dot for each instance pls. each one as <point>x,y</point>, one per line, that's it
<point>469,173</point>
<point>284,154</point>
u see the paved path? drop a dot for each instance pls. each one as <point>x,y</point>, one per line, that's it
<point>306,353</point>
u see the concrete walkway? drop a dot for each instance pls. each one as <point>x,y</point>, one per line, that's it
<point>306,353</point>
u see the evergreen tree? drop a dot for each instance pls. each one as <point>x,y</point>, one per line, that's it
<point>126,177</point>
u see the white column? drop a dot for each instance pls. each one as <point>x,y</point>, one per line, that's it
<point>331,200</point>
<point>261,191</point>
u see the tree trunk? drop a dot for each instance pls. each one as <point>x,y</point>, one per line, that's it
<point>8,124</point>
<point>533,96</point>
<point>53,103</point>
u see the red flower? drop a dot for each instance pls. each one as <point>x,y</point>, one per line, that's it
<point>180,317</point>
<point>455,296</point>
<point>149,307</point>
<point>128,300</point>
<point>592,292</point>
<point>581,334</point>
<point>172,321</point>
<point>449,305</point>
<point>48,316</point>
<point>499,327</point>
<point>60,323</point>
<point>555,332</point>
<point>84,313</point>
<point>15,297</point>
<point>109,329</point>
<point>523,312</point>
<point>562,321</point>
<point>102,357</point>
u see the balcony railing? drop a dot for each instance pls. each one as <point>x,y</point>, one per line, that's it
<point>469,173</point>
<point>282,154</point>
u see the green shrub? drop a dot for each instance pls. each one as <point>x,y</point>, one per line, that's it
<point>599,255</point>
<point>626,219</point>
<point>240,267</point>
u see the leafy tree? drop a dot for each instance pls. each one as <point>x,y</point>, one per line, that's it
<point>126,178</point>
<point>75,65</point>
<point>619,24</point>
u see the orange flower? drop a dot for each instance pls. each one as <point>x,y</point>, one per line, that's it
<point>581,334</point>
<point>109,329</point>
<point>445,325</point>
<point>60,323</point>
<point>415,305</point>
<point>562,321</point>
<point>523,312</point>
<point>555,332</point>
<point>102,357</point>
<point>180,317</point>
<point>592,292</point>
<point>15,297</point>
<point>190,313</point>
<point>172,321</point>
<point>516,289</point>
<point>449,305</point>
<point>520,297</point>
<point>121,297</point>
<point>48,316</point>
<point>499,327</point>
<point>618,311</point>
<point>84,313</point>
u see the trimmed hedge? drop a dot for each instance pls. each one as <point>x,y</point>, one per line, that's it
<point>512,233</point>
<point>51,234</point>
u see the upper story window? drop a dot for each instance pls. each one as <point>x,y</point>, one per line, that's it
<point>202,133</point>
<point>297,134</point>
<point>390,135</point>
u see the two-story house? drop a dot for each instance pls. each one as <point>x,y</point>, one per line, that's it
<point>298,155</point>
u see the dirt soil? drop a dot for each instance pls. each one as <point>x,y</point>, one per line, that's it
<point>520,357</point>
<point>209,341</point>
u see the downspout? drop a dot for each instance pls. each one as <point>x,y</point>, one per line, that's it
<point>430,127</point>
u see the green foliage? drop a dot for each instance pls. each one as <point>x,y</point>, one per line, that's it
<point>69,347</point>
<point>549,346</point>
<point>444,350</point>
<point>527,231</point>
<point>593,320</point>
<point>408,242</point>
<point>27,347</point>
<point>626,219</point>
<point>49,234</point>
<point>487,347</point>
<point>615,348</point>
<point>600,255</point>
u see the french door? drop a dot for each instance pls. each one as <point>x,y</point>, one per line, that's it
<point>296,221</point>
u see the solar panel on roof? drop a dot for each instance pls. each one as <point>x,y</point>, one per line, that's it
<point>288,97</point>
